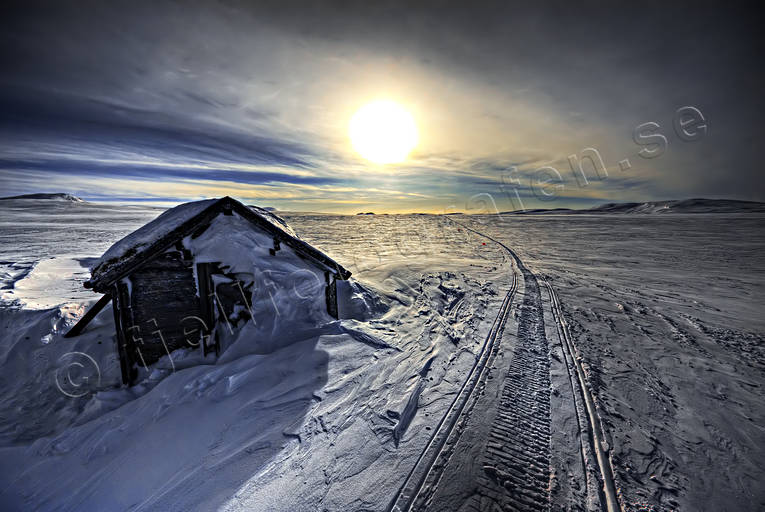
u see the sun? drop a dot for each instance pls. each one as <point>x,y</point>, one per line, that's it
<point>383,132</point>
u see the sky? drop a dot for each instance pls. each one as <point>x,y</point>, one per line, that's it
<point>166,102</point>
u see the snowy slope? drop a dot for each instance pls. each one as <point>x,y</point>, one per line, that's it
<point>58,196</point>
<point>684,206</point>
<point>47,246</point>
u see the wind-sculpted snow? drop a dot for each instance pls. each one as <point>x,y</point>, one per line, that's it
<point>315,421</point>
<point>664,313</point>
<point>41,235</point>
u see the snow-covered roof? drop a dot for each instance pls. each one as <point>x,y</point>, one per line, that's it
<point>149,233</point>
<point>273,219</point>
<point>174,224</point>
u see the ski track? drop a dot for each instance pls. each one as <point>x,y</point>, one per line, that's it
<point>595,429</point>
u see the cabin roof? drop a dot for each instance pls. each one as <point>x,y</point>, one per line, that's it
<point>173,225</point>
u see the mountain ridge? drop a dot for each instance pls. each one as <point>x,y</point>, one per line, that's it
<point>56,196</point>
<point>694,205</point>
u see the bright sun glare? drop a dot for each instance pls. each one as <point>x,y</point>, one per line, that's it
<point>383,131</point>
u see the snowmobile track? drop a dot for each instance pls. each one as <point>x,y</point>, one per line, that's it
<point>421,480</point>
<point>516,458</point>
<point>520,480</point>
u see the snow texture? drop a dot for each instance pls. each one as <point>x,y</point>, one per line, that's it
<point>287,299</point>
<point>312,413</point>
<point>144,236</point>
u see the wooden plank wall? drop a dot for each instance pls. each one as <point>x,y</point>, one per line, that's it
<point>162,311</point>
<point>165,307</point>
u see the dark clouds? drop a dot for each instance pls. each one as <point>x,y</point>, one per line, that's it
<point>68,117</point>
<point>210,83</point>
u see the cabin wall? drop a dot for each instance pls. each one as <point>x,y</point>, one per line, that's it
<point>160,310</point>
<point>122,320</point>
<point>223,277</point>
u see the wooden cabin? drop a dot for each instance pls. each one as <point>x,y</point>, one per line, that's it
<point>174,281</point>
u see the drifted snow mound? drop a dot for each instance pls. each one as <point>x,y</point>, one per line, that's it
<point>46,380</point>
<point>50,383</point>
<point>312,422</point>
<point>359,302</point>
<point>287,298</point>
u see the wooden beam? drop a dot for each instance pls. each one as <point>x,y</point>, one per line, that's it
<point>125,312</point>
<point>121,342</point>
<point>90,315</point>
<point>331,296</point>
<point>206,302</point>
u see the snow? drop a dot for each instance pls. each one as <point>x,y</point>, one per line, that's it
<point>287,300</point>
<point>168,221</point>
<point>48,283</point>
<point>666,312</point>
<point>48,197</point>
<point>685,206</point>
<point>143,237</point>
<point>299,412</point>
<point>270,216</point>
<point>34,230</point>
<point>232,434</point>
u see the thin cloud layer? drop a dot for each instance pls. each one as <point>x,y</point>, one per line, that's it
<point>170,102</point>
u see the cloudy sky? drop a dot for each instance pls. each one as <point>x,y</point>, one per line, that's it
<point>164,102</point>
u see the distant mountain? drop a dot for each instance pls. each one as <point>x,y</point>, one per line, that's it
<point>698,205</point>
<point>54,197</point>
